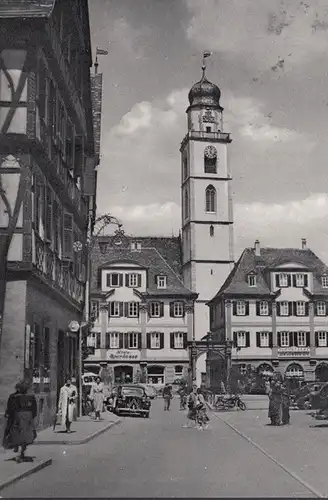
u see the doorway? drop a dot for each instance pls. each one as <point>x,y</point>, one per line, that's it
<point>123,374</point>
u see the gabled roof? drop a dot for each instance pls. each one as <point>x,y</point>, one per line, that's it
<point>269,260</point>
<point>160,256</point>
<point>26,8</point>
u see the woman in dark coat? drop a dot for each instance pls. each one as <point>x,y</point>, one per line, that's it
<point>275,404</point>
<point>20,414</point>
<point>285,404</point>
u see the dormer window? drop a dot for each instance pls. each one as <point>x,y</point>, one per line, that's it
<point>161,282</point>
<point>136,246</point>
<point>283,280</point>
<point>324,281</point>
<point>252,280</point>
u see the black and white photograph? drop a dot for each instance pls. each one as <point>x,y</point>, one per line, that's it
<point>163,248</point>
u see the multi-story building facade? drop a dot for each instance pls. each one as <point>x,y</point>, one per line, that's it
<point>207,218</point>
<point>143,311</point>
<point>274,308</point>
<point>47,163</point>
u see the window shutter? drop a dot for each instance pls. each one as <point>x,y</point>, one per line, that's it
<point>279,339</point>
<point>316,336</point>
<point>98,340</point>
<point>294,280</point>
<point>121,309</point>
<point>139,340</point>
<point>172,309</point>
<point>289,280</point>
<point>292,339</point>
<point>247,340</point>
<point>127,280</point>
<point>291,308</point>
<point>277,280</point>
<point>246,308</point>
<point>126,309</point>
<point>183,310</point>
<point>109,308</point>
<point>120,276</point>
<point>161,340</point>
<point>108,280</point>
<point>126,340</point>
<point>308,339</point>
<point>148,340</point>
<point>278,308</point>
<point>161,312</point>
<point>68,236</point>
<point>326,339</point>
<point>257,308</point>
<point>138,309</point>
<point>172,340</point>
<point>121,340</point>
<point>234,308</point>
<point>270,308</point>
<point>235,339</point>
<point>258,339</point>
<point>107,340</point>
<point>185,341</point>
<point>306,308</point>
<point>48,214</point>
<point>139,280</point>
<point>306,280</point>
<point>270,340</point>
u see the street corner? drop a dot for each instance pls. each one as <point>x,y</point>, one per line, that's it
<point>11,472</point>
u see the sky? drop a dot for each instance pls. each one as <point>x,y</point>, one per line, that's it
<point>269,60</point>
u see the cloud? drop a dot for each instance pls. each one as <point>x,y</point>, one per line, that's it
<point>263,32</point>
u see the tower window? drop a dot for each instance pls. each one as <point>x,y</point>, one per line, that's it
<point>210,160</point>
<point>208,129</point>
<point>211,230</point>
<point>210,199</point>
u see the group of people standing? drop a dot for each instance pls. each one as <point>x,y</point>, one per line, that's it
<point>279,401</point>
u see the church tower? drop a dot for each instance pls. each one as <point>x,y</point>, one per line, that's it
<point>207,218</point>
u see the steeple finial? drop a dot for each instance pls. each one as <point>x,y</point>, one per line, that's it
<point>205,55</point>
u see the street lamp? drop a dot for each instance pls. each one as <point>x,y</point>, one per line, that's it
<point>100,223</point>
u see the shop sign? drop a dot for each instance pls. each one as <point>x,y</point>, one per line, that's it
<point>293,351</point>
<point>123,355</point>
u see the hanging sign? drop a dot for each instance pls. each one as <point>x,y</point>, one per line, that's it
<point>123,355</point>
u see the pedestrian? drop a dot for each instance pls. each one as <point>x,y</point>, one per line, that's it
<point>201,414</point>
<point>67,404</point>
<point>97,397</point>
<point>20,426</point>
<point>267,386</point>
<point>285,404</point>
<point>183,397</point>
<point>275,402</point>
<point>192,404</point>
<point>167,396</point>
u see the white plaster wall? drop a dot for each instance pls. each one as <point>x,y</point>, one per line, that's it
<point>206,247</point>
<point>207,283</point>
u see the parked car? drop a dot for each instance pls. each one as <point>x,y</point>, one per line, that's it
<point>132,400</point>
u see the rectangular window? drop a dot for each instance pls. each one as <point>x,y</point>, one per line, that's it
<point>322,339</point>
<point>300,308</point>
<point>94,309</point>
<point>264,308</point>
<point>264,339</point>
<point>324,281</point>
<point>155,309</point>
<point>161,281</point>
<point>113,280</point>
<point>283,279</point>
<point>301,339</point>
<point>155,340</point>
<point>133,280</point>
<point>178,309</point>
<point>241,339</point>
<point>299,279</point>
<point>284,339</point>
<point>114,340</point>
<point>321,308</point>
<point>132,340</point>
<point>114,309</point>
<point>178,340</point>
<point>133,309</point>
<point>284,308</point>
<point>240,308</point>
<point>252,280</point>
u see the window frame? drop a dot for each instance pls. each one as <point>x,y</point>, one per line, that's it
<point>285,335</point>
<point>282,281</point>
<point>241,335</point>
<point>324,281</point>
<point>158,281</point>
<point>132,336</point>
<point>238,303</point>
<point>251,278</point>
<point>210,200</point>
<point>281,303</point>
<point>112,305</point>
<point>300,283</point>
<point>178,304</point>
<point>264,335</point>
<point>300,303</point>
<point>112,336</point>
<point>110,279</point>
<point>136,305</point>
<point>323,338</point>
<point>97,308</point>
<point>157,337</point>
<point>301,335</point>
<point>261,309</point>
<point>324,310</point>
<point>179,336</point>
<point>153,306</point>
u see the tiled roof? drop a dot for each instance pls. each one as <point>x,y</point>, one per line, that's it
<point>157,255</point>
<point>269,259</point>
<point>26,8</point>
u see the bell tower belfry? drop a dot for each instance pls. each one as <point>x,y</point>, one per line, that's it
<point>207,217</point>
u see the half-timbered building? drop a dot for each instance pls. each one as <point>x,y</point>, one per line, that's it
<point>47,185</point>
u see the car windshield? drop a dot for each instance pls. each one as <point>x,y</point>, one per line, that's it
<point>132,391</point>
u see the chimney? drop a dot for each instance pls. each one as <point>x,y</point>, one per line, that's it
<point>257,248</point>
<point>304,245</point>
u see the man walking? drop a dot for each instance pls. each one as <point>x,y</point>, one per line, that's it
<point>167,396</point>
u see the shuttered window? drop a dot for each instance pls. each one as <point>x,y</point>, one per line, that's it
<point>68,239</point>
<point>48,214</point>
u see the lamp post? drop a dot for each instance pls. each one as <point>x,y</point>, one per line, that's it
<point>228,352</point>
<point>100,223</point>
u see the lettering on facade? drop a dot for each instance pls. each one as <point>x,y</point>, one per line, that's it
<point>294,351</point>
<point>123,355</point>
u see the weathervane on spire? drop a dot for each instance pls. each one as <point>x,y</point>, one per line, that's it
<point>205,55</point>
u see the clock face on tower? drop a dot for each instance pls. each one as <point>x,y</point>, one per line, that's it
<point>210,152</point>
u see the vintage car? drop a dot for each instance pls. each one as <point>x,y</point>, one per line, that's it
<point>319,402</point>
<point>131,399</point>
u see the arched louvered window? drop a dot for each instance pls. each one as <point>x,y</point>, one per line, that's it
<point>210,199</point>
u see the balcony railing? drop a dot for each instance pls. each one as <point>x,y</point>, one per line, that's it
<point>206,136</point>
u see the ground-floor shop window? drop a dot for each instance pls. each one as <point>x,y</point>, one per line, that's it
<point>156,375</point>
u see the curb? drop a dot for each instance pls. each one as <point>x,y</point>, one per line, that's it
<point>17,477</point>
<point>277,462</point>
<point>81,441</point>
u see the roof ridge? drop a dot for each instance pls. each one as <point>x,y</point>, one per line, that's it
<point>168,265</point>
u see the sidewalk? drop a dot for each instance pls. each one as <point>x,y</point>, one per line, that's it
<point>84,430</point>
